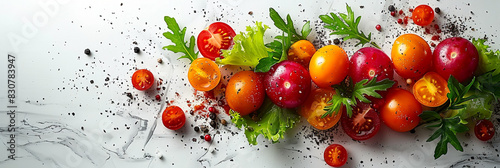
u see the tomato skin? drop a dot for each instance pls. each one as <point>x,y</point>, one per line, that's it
<point>401,110</point>
<point>369,62</point>
<point>173,118</point>
<point>245,92</point>
<point>484,130</point>
<point>301,52</point>
<point>329,66</point>
<point>431,90</point>
<point>312,109</point>
<point>287,84</point>
<point>204,74</point>
<point>423,15</point>
<point>142,79</point>
<point>363,124</point>
<point>217,36</point>
<point>411,56</point>
<point>456,56</point>
<point>335,155</point>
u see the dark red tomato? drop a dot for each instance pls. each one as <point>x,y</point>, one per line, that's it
<point>217,36</point>
<point>369,62</point>
<point>456,56</point>
<point>335,155</point>
<point>173,117</point>
<point>245,92</point>
<point>423,15</point>
<point>287,84</point>
<point>401,110</point>
<point>363,124</point>
<point>484,130</point>
<point>142,79</point>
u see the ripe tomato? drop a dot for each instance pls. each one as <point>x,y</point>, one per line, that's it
<point>484,130</point>
<point>143,79</point>
<point>312,109</point>
<point>204,74</point>
<point>368,62</point>
<point>335,155</point>
<point>412,56</point>
<point>363,124</point>
<point>456,56</point>
<point>287,84</point>
<point>245,92</point>
<point>423,15</point>
<point>431,90</point>
<point>217,36</point>
<point>329,66</point>
<point>173,117</point>
<point>401,110</point>
<point>301,52</point>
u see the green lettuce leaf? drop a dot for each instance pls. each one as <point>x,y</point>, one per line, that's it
<point>488,59</point>
<point>480,107</point>
<point>248,47</point>
<point>273,122</point>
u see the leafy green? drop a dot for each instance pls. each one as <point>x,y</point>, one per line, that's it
<point>480,107</point>
<point>273,122</point>
<point>347,25</point>
<point>489,83</point>
<point>488,60</point>
<point>347,94</point>
<point>177,37</point>
<point>288,26</point>
<point>248,47</point>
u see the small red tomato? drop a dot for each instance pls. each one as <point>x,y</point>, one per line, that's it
<point>142,79</point>
<point>335,155</point>
<point>423,15</point>
<point>217,36</point>
<point>484,130</point>
<point>173,117</point>
<point>208,138</point>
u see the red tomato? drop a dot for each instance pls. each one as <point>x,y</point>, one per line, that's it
<point>142,79</point>
<point>245,92</point>
<point>335,155</point>
<point>204,74</point>
<point>173,117</point>
<point>431,90</point>
<point>329,66</point>
<point>312,109</point>
<point>484,130</point>
<point>217,36</point>
<point>401,110</point>
<point>363,124</point>
<point>412,56</point>
<point>423,15</point>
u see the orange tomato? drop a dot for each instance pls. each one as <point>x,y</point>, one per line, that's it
<point>401,110</point>
<point>431,90</point>
<point>312,109</point>
<point>204,74</point>
<point>301,52</point>
<point>329,66</point>
<point>411,56</point>
<point>245,92</point>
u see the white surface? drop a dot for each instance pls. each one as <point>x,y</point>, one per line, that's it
<point>53,75</point>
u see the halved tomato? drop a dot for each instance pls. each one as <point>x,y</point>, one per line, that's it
<point>431,90</point>
<point>312,109</point>
<point>217,36</point>
<point>142,79</point>
<point>363,124</point>
<point>335,155</point>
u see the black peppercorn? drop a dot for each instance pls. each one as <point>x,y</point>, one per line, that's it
<point>197,129</point>
<point>87,51</point>
<point>212,116</point>
<point>437,10</point>
<point>336,41</point>
<point>391,8</point>
<point>213,124</point>
<point>137,49</point>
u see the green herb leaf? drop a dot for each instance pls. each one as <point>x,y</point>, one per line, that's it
<point>288,26</point>
<point>347,25</point>
<point>177,37</point>
<point>489,83</point>
<point>488,59</point>
<point>448,131</point>
<point>457,93</point>
<point>274,122</point>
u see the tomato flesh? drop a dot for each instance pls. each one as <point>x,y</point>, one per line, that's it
<point>335,155</point>
<point>142,79</point>
<point>204,74</point>
<point>217,36</point>
<point>431,90</point>
<point>314,106</point>
<point>173,118</point>
<point>423,15</point>
<point>245,92</point>
<point>484,130</point>
<point>363,124</point>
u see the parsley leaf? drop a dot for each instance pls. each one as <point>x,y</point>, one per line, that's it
<point>288,26</point>
<point>177,37</point>
<point>347,25</point>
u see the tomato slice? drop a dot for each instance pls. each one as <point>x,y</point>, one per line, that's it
<point>312,109</point>
<point>204,74</point>
<point>484,130</point>
<point>217,36</point>
<point>423,15</point>
<point>335,155</point>
<point>142,79</point>
<point>363,124</point>
<point>173,117</point>
<point>431,90</point>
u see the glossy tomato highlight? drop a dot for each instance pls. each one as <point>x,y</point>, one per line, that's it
<point>456,56</point>
<point>287,84</point>
<point>217,36</point>
<point>245,92</point>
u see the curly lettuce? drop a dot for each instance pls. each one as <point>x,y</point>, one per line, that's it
<point>488,59</point>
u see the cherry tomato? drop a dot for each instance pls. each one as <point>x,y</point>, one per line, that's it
<point>456,56</point>
<point>484,130</point>
<point>312,109</point>
<point>204,74</point>
<point>301,52</point>
<point>363,124</point>
<point>329,66</point>
<point>401,110</point>
<point>411,56</point>
<point>423,15</point>
<point>217,36</point>
<point>142,79</point>
<point>368,62</point>
<point>335,155</point>
<point>431,90</point>
<point>245,92</point>
<point>287,84</point>
<point>173,117</point>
